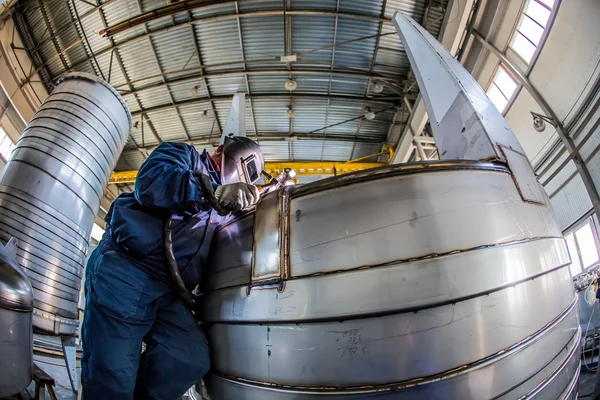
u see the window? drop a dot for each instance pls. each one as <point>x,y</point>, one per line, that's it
<point>531,28</point>
<point>6,145</point>
<point>502,88</point>
<point>582,248</point>
<point>97,233</point>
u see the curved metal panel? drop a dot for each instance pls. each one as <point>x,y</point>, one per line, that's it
<point>393,288</point>
<point>231,254</point>
<point>429,280</point>
<point>509,374</point>
<point>51,188</point>
<point>390,348</point>
<point>378,302</point>
<point>458,203</point>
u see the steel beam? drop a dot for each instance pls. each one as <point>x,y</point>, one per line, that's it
<point>51,32</point>
<point>187,6</point>
<point>243,52</point>
<point>265,137</point>
<point>159,66</point>
<point>244,72</point>
<point>382,100</point>
<point>126,76</point>
<point>560,129</point>
<point>184,24</point>
<point>371,69</point>
<point>330,81</point>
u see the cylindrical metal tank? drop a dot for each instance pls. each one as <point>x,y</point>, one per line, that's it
<point>51,189</point>
<point>16,336</point>
<point>428,280</point>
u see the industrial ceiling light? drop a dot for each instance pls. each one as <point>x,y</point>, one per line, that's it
<point>370,115</point>
<point>376,87</point>
<point>539,124</point>
<point>204,117</point>
<point>291,85</point>
<point>539,121</point>
<point>194,92</point>
<point>290,112</point>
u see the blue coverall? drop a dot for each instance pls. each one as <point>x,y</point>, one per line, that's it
<point>128,293</point>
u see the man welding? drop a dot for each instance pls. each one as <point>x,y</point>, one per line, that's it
<point>130,296</point>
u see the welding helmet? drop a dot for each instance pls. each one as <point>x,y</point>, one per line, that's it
<point>242,160</point>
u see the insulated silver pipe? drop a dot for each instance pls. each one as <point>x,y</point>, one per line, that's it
<point>51,189</point>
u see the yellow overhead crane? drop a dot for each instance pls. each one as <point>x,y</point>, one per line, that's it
<point>302,168</point>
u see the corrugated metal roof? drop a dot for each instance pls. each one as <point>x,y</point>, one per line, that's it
<point>161,60</point>
<point>219,44</point>
<point>310,32</point>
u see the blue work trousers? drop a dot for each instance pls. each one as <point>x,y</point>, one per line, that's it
<point>125,306</point>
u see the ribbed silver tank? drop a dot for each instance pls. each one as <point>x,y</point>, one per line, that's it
<point>417,281</point>
<point>16,336</point>
<point>51,189</point>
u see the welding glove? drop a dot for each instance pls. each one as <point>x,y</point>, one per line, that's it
<point>236,197</point>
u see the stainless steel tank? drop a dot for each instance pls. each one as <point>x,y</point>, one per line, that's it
<point>436,280</point>
<point>414,281</point>
<point>51,188</point>
<point>16,336</point>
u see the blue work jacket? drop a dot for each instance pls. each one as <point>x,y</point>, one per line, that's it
<point>166,185</point>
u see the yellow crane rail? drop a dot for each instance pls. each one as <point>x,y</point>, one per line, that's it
<point>311,168</point>
<point>302,168</point>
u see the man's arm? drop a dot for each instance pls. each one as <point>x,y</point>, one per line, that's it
<point>167,182</point>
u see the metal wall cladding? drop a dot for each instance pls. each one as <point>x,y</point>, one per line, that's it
<point>51,188</point>
<point>412,281</point>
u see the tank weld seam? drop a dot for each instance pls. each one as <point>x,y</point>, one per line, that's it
<point>93,102</point>
<point>285,231</point>
<point>92,78</point>
<point>384,172</point>
<point>62,161</point>
<point>84,124</point>
<point>414,309</point>
<point>34,132</point>
<point>426,257</point>
<point>421,381</point>
<point>54,145</point>
<point>74,296</point>
<point>59,100</point>
<point>36,267</point>
<point>277,280</point>
<point>396,170</point>
<point>56,179</point>
<point>573,384</point>
<point>59,121</point>
<point>550,378</point>
<point>569,345</point>
<point>27,198</point>
<point>8,204</point>
<point>60,96</point>
<point>35,244</point>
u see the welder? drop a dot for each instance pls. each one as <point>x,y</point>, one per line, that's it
<point>130,295</point>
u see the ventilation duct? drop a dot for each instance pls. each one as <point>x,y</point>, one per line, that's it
<point>51,189</point>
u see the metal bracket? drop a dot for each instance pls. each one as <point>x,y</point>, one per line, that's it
<point>270,256</point>
<point>69,352</point>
